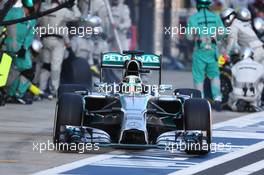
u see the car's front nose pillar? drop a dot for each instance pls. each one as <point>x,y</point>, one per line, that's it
<point>134,128</point>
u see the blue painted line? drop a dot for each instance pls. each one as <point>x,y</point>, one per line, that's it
<point>257,127</point>
<point>160,162</point>
<point>236,141</point>
<point>101,170</point>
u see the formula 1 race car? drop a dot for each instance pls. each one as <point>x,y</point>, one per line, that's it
<point>131,114</point>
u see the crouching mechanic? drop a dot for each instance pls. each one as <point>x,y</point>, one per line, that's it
<point>242,32</point>
<point>247,84</point>
<point>205,52</point>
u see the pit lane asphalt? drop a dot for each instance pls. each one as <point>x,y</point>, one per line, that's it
<point>21,125</point>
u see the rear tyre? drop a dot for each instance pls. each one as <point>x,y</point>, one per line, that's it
<point>69,111</point>
<point>76,71</point>
<point>3,96</point>
<point>70,88</point>
<point>194,93</point>
<point>226,86</point>
<point>197,116</point>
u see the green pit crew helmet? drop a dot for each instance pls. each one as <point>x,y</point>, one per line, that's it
<point>203,4</point>
<point>28,3</point>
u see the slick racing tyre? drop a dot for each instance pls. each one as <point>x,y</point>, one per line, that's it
<point>197,116</point>
<point>207,90</point>
<point>3,95</point>
<point>70,88</point>
<point>194,93</point>
<point>226,86</point>
<point>76,71</point>
<point>69,111</point>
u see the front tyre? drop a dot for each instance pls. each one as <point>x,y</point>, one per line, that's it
<point>197,116</point>
<point>69,111</point>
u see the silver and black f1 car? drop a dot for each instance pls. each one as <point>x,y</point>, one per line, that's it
<point>131,114</point>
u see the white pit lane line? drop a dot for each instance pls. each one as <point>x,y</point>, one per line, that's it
<point>77,164</point>
<point>240,122</point>
<point>249,169</point>
<point>219,160</point>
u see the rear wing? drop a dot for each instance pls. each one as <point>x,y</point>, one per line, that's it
<point>117,60</point>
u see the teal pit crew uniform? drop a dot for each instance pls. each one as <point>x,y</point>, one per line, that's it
<point>19,37</point>
<point>206,28</point>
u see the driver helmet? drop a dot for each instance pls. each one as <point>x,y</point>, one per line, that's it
<point>132,68</point>
<point>227,16</point>
<point>132,84</point>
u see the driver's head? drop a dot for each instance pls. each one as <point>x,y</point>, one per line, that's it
<point>132,84</point>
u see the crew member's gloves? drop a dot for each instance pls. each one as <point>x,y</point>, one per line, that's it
<point>95,70</point>
<point>21,53</point>
<point>223,59</point>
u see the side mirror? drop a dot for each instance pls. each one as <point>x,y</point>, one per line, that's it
<point>165,87</point>
<point>116,109</point>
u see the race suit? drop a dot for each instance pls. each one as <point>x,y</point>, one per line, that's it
<point>243,34</point>
<point>19,39</point>
<point>54,43</point>
<point>98,8</point>
<point>100,46</point>
<point>247,83</point>
<point>205,52</point>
